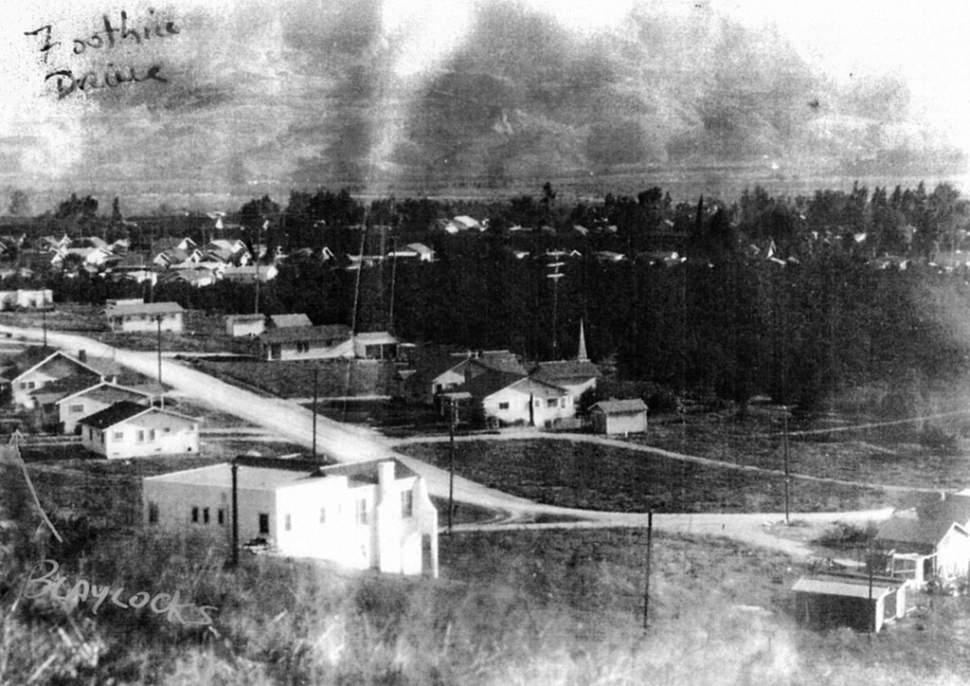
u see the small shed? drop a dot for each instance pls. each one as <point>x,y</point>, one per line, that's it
<point>619,416</point>
<point>855,602</point>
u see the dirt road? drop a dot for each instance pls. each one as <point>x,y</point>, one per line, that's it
<point>347,443</point>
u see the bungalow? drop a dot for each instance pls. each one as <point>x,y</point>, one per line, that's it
<point>366,515</point>
<point>576,376</point>
<point>508,398</point>
<point>245,325</point>
<point>377,345</point>
<point>145,317</point>
<point>249,273</point>
<point>432,374</point>
<point>52,366</point>
<point>307,343</point>
<point>37,299</point>
<point>128,429</point>
<point>74,407</point>
<point>619,416</point>
<point>928,537</point>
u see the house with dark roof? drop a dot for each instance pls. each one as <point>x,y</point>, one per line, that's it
<point>307,342</point>
<point>86,401</point>
<point>509,398</point>
<point>576,376</point>
<point>364,515</point>
<point>929,537</point>
<point>433,372</point>
<point>619,416</point>
<point>128,429</point>
<point>145,317</point>
<point>38,367</point>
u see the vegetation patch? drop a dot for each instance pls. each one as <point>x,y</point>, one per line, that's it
<point>597,477</point>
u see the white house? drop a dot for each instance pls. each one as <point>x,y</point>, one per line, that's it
<point>127,429</point>
<point>366,515</point>
<point>510,399</point>
<point>307,343</point>
<point>52,366</point>
<point>930,537</point>
<point>619,416</point>
<point>26,299</point>
<point>375,345</point>
<point>245,325</point>
<point>130,317</point>
<point>72,408</point>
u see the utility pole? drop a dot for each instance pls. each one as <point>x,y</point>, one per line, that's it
<point>256,257</point>
<point>235,511</point>
<point>161,392</point>
<point>316,372</point>
<point>451,468</point>
<point>787,475</point>
<point>44,314</point>
<point>646,592</point>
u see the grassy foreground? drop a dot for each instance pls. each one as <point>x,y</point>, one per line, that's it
<point>549,607</point>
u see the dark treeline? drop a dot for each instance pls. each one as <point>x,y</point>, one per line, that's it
<point>799,299</point>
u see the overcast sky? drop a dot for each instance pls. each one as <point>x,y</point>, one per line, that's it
<point>228,48</point>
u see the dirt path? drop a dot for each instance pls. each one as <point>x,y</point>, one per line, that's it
<point>351,444</point>
<point>532,434</point>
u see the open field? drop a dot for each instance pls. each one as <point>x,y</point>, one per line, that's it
<point>295,379</point>
<point>889,455</point>
<point>586,476</point>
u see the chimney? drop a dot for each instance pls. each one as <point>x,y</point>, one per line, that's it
<point>82,355</point>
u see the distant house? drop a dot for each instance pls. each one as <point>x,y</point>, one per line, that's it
<point>307,342</point>
<point>287,321</point>
<point>74,407</point>
<point>26,299</point>
<point>238,325</point>
<point>367,515</point>
<point>132,317</point>
<point>619,416</point>
<point>434,373</point>
<point>377,345</point>
<point>53,366</point>
<point>128,429</point>
<point>929,537</point>
<point>576,376</point>
<point>507,398</point>
<point>826,602</point>
<point>463,223</point>
<point>250,273</point>
<point>418,251</point>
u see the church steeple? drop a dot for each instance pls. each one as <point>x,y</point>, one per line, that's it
<point>581,355</point>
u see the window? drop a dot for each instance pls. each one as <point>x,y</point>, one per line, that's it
<point>76,409</point>
<point>552,402</point>
<point>31,384</point>
<point>287,522</point>
<point>538,403</point>
<point>167,430</point>
<point>23,385</point>
<point>205,515</point>
<point>151,435</point>
<point>141,436</point>
<point>152,513</point>
<point>407,503</point>
<point>263,523</point>
<point>503,406</point>
<point>118,435</point>
<point>323,515</point>
<point>362,511</point>
<point>302,347</point>
<point>221,516</point>
<point>195,515</point>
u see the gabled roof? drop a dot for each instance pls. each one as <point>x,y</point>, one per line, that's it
<point>566,370</point>
<point>285,321</point>
<point>58,353</point>
<point>143,308</point>
<point>368,472</point>
<point>927,519</point>
<point>488,382</point>
<point>69,385</point>
<point>105,392</point>
<point>328,332</point>
<point>614,406</point>
<point>123,411</point>
<point>376,338</point>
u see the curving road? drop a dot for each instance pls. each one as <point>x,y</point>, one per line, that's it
<point>347,443</point>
